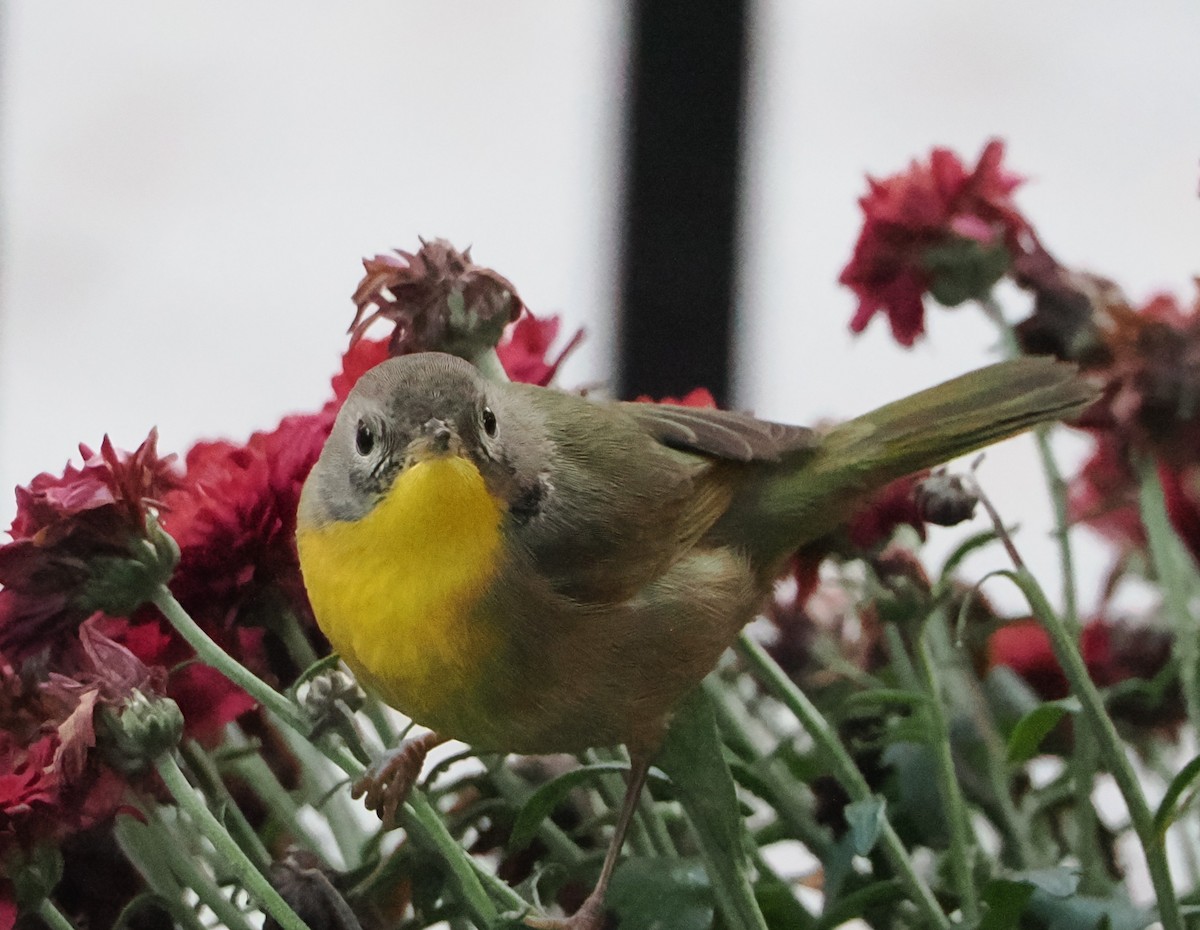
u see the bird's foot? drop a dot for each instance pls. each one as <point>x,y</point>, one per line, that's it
<point>389,780</point>
<point>590,916</point>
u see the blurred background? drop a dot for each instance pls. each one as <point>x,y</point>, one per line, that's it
<point>187,189</point>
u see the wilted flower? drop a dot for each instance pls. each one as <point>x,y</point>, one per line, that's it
<point>437,298</point>
<point>84,542</point>
<point>52,782</point>
<point>1070,309</point>
<point>936,228</point>
<point>1153,380</point>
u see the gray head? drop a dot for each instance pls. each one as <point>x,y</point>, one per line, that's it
<point>412,408</point>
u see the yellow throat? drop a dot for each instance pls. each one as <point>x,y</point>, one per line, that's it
<point>393,590</point>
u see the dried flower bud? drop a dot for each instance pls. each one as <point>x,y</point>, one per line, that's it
<point>308,888</point>
<point>944,499</point>
<point>141,731</point>
<point>320,695</point>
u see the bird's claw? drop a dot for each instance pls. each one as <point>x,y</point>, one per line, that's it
<point>590,916</point>
<point>389,780</point>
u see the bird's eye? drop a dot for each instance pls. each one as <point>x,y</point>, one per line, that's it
<point>489,421</point>
<point>364,439</point>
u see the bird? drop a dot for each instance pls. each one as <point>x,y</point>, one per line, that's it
<point>533,571</point>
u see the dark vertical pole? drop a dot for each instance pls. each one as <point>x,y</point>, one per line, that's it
<point>679,236</point>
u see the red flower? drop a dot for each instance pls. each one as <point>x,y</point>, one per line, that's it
<point>80,543</point>
<point>206,698</point>
<point>697,397</point>
<point>891,507</point>
<point>1114,652</point>
<point>936,228</point>
<point>1104,493</point>
<point>52,783</point>
<point>523,351</point>
<point>235,522</point>
<point>437,298</point>
<point>361,357</point>
<point>1153,377</point>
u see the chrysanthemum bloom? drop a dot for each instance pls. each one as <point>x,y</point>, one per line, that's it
<point>937,228</point>
<point>1114,651</point>
<point>84,542</point>
<point>1150,406</point>
<point>70,745</point>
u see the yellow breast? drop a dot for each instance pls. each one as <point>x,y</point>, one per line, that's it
<point>393,590</point>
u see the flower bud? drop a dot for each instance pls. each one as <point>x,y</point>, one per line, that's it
<point>141,731</point>
<point>118,585</point>
<point>945,499</point>
<point>320,695</point>
<point>309,888</point>
<point>34,874</point>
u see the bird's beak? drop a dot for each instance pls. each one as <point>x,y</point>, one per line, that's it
<point>436,440</point>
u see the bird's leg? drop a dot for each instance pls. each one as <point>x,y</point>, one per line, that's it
<point>590,915</point>
<point>388,781</point>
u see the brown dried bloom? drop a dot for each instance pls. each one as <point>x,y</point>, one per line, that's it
<point>437,298</point>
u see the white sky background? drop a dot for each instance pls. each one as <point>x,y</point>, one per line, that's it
<point>187,190</point>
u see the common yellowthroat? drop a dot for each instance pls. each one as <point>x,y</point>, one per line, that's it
<point>533,571</point>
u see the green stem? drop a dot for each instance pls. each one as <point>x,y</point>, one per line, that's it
<point>247,875</point>
<point>283,807</point>
<point>1112,751</point>
<point>790,799</point>
<point>204,770</point>
<point>516,792</point>
<point>489,364</point>
<point>212,654</point>
<point>1013,823</point>
<point>1085,755</point>
<point>1177,577</point>
<point>423,821</point>
<point>962,852</point>
<point>612,790</point>
<point>1108,742</point>
<point>160,865</point>
<point>55,918</point>
<point>196,879</point>
<point>846,772</point>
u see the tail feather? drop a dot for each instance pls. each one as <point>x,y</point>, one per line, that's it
<point>802,499</point>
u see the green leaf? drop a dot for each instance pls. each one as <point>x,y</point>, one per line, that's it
<point>1005,901</point>
<point>660,894</point>
<point>694,759</point>
<point>1170,808</point>
<point>1058,882</point>
<point>956,558</point>
<point>1080,912</point>
<point>866,820</point>
<point>779,906</point>
<point>548,796</point>
<point>1031,729</point>
<point>883,697</point>
<point>873,896</point>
